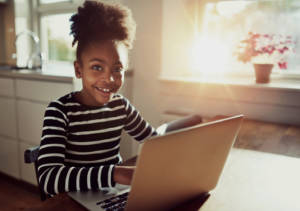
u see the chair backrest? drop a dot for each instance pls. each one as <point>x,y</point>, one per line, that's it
<point>30,156</point>
<point>180,123</point>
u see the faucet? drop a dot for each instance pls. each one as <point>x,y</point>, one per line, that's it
<point>35,60</point>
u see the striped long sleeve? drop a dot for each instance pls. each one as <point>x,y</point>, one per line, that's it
<point>135,125</point>
<point>80,145</point>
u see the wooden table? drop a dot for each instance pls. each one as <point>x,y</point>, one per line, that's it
<point>250,181</point>
<point>257,181</point>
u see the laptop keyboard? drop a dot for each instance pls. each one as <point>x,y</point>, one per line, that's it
<point>116,203</point>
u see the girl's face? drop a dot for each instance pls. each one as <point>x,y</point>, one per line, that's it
<point>101,69</point>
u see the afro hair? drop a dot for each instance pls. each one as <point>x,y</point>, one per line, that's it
<point>98,20</point>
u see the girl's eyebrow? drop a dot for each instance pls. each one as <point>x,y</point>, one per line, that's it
<point>103,61</point>
<point>97,60</point>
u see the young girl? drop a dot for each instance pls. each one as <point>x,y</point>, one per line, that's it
<point>81,134</point>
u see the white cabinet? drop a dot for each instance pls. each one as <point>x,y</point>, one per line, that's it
<point>22,107</point>
<point>7,87</point>
<point>8,117</point>
<point>32,99</point>
<point>7,108</point>
<point>30,120</point>
<point>41,91</point>
<point>9,157</point>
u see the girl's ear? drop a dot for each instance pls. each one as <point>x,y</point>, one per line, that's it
<point>78,70</point>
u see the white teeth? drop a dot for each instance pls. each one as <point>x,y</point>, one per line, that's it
<point>103,89</point>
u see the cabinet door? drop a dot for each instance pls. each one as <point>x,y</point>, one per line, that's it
<point>9,157</point>
<point>41,91</point>
<point>27,172</point>
<point>30,120</point>
<point>7,87</point>
<point>8,122</point>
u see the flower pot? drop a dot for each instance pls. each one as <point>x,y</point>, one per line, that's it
<point>263,72</point>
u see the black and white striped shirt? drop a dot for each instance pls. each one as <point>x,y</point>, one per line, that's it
<point>80,144</point>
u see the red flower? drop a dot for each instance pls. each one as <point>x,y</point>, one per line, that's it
<point>282,65</point>
<point>264,44</point>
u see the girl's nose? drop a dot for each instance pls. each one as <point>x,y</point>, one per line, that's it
<point>108,77</point>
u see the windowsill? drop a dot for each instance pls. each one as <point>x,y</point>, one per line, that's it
<point>276,82</point>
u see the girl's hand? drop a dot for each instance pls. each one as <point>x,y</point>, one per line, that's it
<point>123,174</point>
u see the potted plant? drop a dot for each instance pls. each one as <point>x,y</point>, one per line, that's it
<point>265,50</point>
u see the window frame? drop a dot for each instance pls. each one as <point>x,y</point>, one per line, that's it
<point>39,11</point>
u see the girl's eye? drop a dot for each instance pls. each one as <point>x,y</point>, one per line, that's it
<point>97,67</point>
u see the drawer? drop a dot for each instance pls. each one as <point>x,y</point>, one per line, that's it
<point>8,120</point>
<point>7,87</point>
<point>42,91</point>
<point>30,120</point>
<point>9,157</point>
<point>27,172</point>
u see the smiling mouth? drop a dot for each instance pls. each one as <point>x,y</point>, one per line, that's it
<point>104,91</point>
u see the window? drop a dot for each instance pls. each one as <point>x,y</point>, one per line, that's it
<point>56,41</point>
<point>22,23</point>
<point>207,33</point>
<point>49,19</point>
<point>54,31</point>
<point>225,23</point>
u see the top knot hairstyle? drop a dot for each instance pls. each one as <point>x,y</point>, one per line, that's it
<point>96,21</point>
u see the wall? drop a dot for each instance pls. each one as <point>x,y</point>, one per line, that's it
<point>7,33</point>
<point>2,28</point>
<point>146,58</point>
<point>181,19</point>
<point>264,102</point>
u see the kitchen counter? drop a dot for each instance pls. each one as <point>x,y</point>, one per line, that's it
<point>63,76</point>
<point>53,75</point>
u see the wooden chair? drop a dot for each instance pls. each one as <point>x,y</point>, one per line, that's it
<point>31,154</point>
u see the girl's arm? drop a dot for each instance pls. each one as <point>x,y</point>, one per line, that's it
<point>54,176</point>
<point>135,125</point>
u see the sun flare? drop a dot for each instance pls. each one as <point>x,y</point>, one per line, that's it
<point>208,56</point>
<point>209,53</point>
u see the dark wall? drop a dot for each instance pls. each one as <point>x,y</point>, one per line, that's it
<point>7,32</point>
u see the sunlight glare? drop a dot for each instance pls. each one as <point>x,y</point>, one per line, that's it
<point>228,9</point>
<point>208,56</point>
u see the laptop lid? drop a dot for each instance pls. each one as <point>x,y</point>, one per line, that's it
<point>182,164</point>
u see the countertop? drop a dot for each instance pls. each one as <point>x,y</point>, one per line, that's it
<point>46,75</point>
<point>63,76</point>
<point>276,84</point>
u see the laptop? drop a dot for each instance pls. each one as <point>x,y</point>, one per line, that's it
<point>171,169</point>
